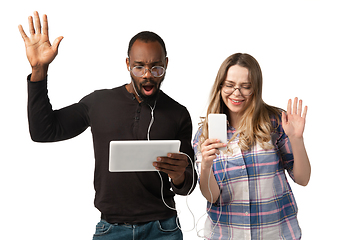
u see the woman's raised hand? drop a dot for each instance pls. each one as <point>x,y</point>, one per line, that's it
<point>293,121</point>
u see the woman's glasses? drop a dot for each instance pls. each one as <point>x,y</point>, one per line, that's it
<point>245,89</point>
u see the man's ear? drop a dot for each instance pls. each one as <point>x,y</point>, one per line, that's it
<point>128,63</point>
<point>166,61</point>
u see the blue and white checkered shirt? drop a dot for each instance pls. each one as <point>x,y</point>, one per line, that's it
<point>256,201</point>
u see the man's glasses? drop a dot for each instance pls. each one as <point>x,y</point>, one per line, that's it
<point>156,71</point>
<point>244,89</point>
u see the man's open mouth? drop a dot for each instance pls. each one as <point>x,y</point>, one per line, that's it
<point>148,89</point>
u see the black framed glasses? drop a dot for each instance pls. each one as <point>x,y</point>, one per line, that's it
<point>156,71</point>
<point>245,89</point>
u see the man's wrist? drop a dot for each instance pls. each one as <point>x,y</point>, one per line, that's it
<point>39,73</point>
<point>179,182</point>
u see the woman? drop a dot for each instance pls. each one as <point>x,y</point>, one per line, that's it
<point>248,194</point>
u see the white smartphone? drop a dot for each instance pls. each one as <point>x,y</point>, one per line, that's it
<point>217,127</point>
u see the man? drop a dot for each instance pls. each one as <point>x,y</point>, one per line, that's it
<point>131,204</point>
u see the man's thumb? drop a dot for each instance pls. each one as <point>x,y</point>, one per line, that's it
<point>57,42</point>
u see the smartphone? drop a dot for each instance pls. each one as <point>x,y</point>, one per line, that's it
<point>218,127</point>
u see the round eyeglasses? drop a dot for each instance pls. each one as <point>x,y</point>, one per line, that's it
<point>156,71</point>
<point>244,89</point>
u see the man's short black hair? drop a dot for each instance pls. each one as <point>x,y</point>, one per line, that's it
<point>147,36</point>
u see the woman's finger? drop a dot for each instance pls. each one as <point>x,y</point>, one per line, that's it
<point>289,107</point>
<point>300,108</point>
<point>305,112</point>
<point>295,106</point>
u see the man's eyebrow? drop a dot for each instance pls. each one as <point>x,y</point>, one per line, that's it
<point>150,63</point>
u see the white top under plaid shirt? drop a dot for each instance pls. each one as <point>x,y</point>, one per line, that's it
<point>256,201</point>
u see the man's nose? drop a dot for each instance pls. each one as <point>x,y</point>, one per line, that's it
<point>147,73</point>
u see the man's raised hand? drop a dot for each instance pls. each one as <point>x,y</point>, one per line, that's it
<point>39,50</point>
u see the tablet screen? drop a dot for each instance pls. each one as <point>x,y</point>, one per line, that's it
<point>139,155</point>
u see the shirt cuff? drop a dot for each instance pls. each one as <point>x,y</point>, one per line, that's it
<point>185,187</point>
<point>29,77</point>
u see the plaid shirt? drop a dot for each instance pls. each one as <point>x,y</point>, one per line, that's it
<point>256,201</point>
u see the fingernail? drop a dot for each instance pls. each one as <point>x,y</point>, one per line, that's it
<point>169,155</point>
<point>158,159</point>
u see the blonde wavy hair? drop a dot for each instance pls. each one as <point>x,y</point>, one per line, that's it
<point>255,124</point>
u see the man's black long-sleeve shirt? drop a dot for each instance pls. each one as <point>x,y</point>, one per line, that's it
<point>115,114</point>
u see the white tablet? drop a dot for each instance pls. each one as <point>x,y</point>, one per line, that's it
<point>139,155</point>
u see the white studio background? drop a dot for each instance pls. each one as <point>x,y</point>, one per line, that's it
<point>307,49</point>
